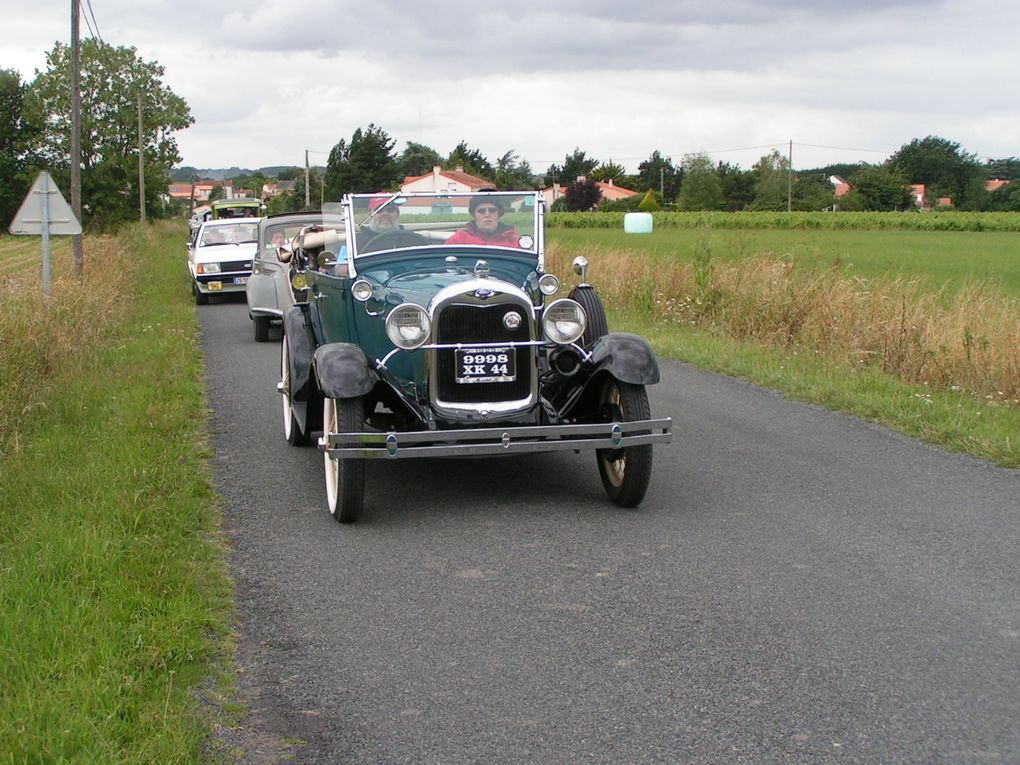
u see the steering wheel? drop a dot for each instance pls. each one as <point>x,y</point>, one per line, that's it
<point>392,240</point>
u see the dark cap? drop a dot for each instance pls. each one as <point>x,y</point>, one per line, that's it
<point>475,201</point>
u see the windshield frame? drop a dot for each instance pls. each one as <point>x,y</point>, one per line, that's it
<point>355,206</point>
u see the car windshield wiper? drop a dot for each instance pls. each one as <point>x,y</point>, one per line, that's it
<point>215,244</point>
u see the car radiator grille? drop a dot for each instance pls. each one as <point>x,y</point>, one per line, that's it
<point>470,324</point>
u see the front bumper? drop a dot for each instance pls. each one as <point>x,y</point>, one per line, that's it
<point>215,284</point>
<point>476,442</point>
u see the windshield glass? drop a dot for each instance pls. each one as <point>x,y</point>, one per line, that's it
<point>237,233</point>
<point>504,219</point>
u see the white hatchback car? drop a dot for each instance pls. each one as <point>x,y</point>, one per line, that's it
<point>220,255</point>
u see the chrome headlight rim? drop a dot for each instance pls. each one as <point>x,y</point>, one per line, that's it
<point>548,284</point>
<point>556,324</point>
<point>395,325</point>
<point>362,290</point>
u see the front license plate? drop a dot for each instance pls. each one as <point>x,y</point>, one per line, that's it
<point>485,365</point>
<point>240,280</point>
<point>213,286</point>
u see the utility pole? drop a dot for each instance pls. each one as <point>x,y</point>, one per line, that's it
<point>77,257</point>
<point>308,198</point>
<point>662,182</point>
<point>141,160</point>
<point>789,179</point>
<point>191,209</point>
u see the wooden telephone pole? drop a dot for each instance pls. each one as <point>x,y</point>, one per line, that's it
<point>77,257</point>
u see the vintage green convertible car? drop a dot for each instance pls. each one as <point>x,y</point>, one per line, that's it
<point>431,328</point>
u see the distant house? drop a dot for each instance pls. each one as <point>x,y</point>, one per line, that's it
<point>996,184</point>
<point>840,185</point>
<point>444,180</point>
<point>917,194</point>
<point>610,191</point>
<point>270,190</point>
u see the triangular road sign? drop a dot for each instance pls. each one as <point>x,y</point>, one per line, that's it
<point>59,216</point>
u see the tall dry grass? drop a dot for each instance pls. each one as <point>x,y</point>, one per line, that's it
<point>967,341</point>
<point>46,341</point>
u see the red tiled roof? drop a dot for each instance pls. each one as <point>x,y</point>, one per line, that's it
<point>471,181</point>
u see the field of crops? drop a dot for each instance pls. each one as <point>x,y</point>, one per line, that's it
<point>943,258</point>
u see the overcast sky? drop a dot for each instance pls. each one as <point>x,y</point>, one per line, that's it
<point>845,81</point>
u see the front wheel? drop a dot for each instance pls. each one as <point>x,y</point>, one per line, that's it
<point>201,298</point>
<point>596,326</point>
<point>291,427</point>
<point>345,478</point>
<point>625,472</point>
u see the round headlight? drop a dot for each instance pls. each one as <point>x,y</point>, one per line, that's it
<point>548,284</point>
<point>299,282</point>
<point>564,321</point>
<point>408,326</point>
<point>361,290</point>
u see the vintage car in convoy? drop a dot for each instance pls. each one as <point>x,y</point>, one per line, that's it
<point>220,254</point>
<point>431,328</point>
<point>237,207</point>
<point>269,291</point>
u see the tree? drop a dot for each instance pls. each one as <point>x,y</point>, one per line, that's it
<point>513,172</point>
<point>471,160</point>
<point>576,165</point>
<point>876,188</point>
<point>812,191</point>
<point>649,202</point>
<point>737,186</point>
<point>1003,168</point>
<point>701,188</point>
<point>16,136</point>
<point>771,182</point>
<point>937,163</point>
<point>365,165</point>
<point>610,171</point>
<point>583,195</point>
<point>112,80</point>
<point>659,173</point>
<point>216,192</point>
<point>417,159</point>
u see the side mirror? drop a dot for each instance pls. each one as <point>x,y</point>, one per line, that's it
<point>581,267</point>
<point>326,259</point>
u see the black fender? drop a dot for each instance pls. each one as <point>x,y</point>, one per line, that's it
<point>300,342</point>
<point>626,357</point>
<point>342,370</point>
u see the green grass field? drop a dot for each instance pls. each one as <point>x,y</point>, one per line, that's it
<point>950,258</point>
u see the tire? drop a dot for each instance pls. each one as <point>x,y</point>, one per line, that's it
<point>261,328</point>
<point>345,478</point>
<point>200,297</point>
<point>625,472</point>
<point>291,427</point>
<point>597,325</point>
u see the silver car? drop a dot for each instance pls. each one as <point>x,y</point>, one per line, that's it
<point>269,291</point>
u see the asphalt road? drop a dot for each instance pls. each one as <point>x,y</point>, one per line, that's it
<point>798,586</point>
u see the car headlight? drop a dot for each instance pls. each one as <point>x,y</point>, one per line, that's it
<point>408,326</point>
<point>361,290</point>
<point>564,321</point>
<point>548,284</point>
<point>208,268</point>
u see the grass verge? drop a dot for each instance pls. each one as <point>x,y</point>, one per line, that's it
<point>114,596</point>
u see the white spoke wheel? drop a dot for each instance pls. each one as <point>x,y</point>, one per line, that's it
<point>625,472</point>
<point>291,427</point>
<point>345,478</point>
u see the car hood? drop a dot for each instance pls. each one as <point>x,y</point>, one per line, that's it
<point>225,252</point>
<point>419,281</point>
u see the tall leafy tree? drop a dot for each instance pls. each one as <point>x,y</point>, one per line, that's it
<point>16,136</point>
<point>876,188</point>
<point>659,173</point>
<point>417,159</point>
<point>737,186</point>
<point>578,164</point>
<point>364,165</point>
<point>472,160</point>
<point>701,188</point>
<point>112,80</point>
<point>771,183</point>
<point>1008,168</point>
<point>938,163</point>
<point>513,173</point>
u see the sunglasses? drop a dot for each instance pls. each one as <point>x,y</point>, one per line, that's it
<point>487,210</point>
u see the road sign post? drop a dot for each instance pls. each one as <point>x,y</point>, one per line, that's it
<point>45,212</point>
